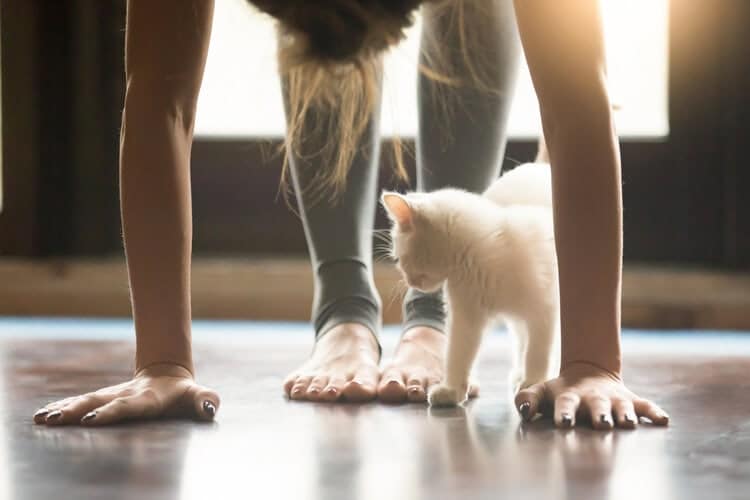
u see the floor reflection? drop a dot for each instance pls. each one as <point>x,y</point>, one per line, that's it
<point>264,446</point>
<point>322,452</point>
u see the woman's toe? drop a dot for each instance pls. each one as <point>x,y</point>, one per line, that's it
<point>392,388</point>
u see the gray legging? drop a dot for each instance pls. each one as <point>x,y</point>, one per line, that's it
<point>462,147</point>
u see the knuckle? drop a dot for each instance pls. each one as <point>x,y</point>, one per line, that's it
<point>595,397</point>
<point>148,393</point>
<point>126,393</point>
<point>598,401</point>
<point>568,398</point>
<point>149,396</point>
<point>620,403</point>
<point>87,399</point>
<point>121,402</point>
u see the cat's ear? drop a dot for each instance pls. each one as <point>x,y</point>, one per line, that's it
<point>399,209</point>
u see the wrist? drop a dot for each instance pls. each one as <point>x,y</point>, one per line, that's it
<point>165,369</point>
<point>587,366</point>
<point>598,346</point>
<point>153,351</point>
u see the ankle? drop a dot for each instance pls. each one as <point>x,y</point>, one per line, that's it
<point>422,334</point>
<point>350,333</point>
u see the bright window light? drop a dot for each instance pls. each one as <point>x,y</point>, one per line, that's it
<point>241,96</point>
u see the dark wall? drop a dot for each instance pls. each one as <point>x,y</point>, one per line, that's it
<point>685,198</point>
<point>63,81</point>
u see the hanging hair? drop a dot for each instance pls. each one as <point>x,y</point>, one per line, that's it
<point>330,61</point>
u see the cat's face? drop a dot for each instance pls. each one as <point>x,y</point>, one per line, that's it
<point>418,247</point>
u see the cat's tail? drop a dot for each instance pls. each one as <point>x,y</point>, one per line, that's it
<point>542,155</point>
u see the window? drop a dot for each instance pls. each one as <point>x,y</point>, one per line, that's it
<point>241,97</point>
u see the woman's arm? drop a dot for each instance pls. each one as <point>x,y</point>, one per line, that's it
<point>564,47</point>
<point>166,47</point>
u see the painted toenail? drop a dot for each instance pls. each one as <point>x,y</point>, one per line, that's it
<point>89,416</point>
<point>393,381</point>
<point>332,390</point>
<point>567,421</point>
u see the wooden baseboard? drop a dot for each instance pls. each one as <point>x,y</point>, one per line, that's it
<point>281,289</point>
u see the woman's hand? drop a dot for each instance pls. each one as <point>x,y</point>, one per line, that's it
<point>162,390</point>
<point>584,391</point>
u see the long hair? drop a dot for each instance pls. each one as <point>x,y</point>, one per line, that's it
<point>330,60</point>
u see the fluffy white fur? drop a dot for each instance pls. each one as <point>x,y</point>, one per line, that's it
<point>495,257</point>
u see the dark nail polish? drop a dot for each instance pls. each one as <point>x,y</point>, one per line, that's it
<point>41,413</point>
<point>89,416</point>
<point>629,419</point>
<point>209,408</point>
<point>605,419</point>
<point>524,409</point>
<point>567,421</point>
<point>54,415</point>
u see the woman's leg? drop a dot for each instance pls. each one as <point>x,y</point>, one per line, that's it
<point>346,306</point>
<point>461,143</point>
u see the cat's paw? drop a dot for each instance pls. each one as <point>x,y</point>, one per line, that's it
<point>443,395</point>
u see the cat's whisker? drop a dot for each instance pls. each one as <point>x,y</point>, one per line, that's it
<point>382,234</point>
<point>397,291</point>
<point>383,239</point>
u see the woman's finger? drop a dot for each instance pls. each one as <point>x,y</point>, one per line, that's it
<point>41,414</point>
<point>72,412</point>
<point>566,407</point>
<point>624,413</point>
<point>528,401</point>
<point>600,409</point>
<point>145,404</point>
<point>645,408</point>
<point>205,403</point>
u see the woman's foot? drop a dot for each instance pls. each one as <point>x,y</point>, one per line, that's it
<point>416,366</point>
<point>343,366</point>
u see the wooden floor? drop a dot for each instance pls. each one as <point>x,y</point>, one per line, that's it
<point>265,447</point>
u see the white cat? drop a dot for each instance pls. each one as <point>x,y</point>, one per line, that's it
<point>495,257</point>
